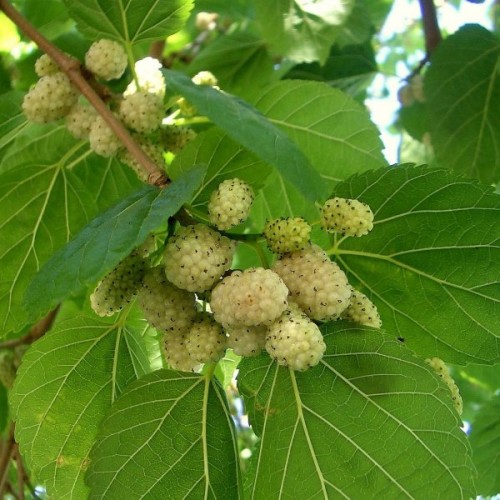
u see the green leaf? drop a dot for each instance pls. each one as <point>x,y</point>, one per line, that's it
<point>66,383</point>
<point>173,431</point>
<point>52,21</point>
<point>106,240</point>
<point>240,62</point>
<point>129,21</point>
<point>331,128</point>
<point>485,442</point>
<point>462,87</point>
<point>224,159</point>
<point>247,126</point>
<point>370,421</point>
<point>301,30</point>
<point>431,263</point>
<point>12,119</point>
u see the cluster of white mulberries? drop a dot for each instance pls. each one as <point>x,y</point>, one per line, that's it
<point>439,366</point>
<point>140,108</point>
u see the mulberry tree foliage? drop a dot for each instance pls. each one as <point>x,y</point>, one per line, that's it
<point>212,283</point>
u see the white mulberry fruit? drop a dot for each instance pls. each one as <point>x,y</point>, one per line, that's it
<point>349,217</point>
<point>252,297</point>
<point>142,111</point>
<point>362,310</point>
<point>196,257</point>
<point>247,341</point>
<point>80,119</point>
<point>293,340</point>
<point>317,285</point>
<point>165,307</point>
<point>102,139</point>
<point>119,286</point>
<point>106,59</point>
<point>205,78</point>
<point>439,366</point>
<point>287,234</point>
<point>50,99</point>
<point>205,340</point>
<point>149,76</point>
<point>176,353</point>
<point>230,204</point>
<point>44,66</point>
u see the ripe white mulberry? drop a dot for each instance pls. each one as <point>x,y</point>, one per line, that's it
<point>80,119</point>
<point>230,203</point>
<point>149,76</point>
<point>196,257</point>
<point>119,286</point>
<point>176,353</point>
<point>107,59</point>
<point>165,306</point>
<point>349,217</point>
<point>142,111</point>
<point>287,234</point>
<point>247,341</point>
<point>205,340</point>
<point>362,310</point>
<point>294,340</point>
<point>44,66</point>
<point>50,99</point>
<point>252,297</point>
<point>317,285</point>
<point>439,366</point>
<point>102,139</point>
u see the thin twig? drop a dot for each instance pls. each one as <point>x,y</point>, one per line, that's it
<point>21,473</point>
<point>5,457</point>
<point>38,330</point>
<point>432,32</point>
<point>71,67</point>
<point>156,49</point>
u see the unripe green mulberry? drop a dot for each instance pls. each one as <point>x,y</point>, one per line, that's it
<point>142,111</point>
<point>293,340</point>
<point>348,217</point>
<point>175,138</point>
<point>50,99</point>
<point>102,139</point>
<point>7,369</point>
<point>176,353</point>
<point>165,307</point>
<point>120,286</point>
<point>196,257</point>
<point>106,59</point>
<point>44,66</point>
<point>317,285</point>
<point>439,366</point>
<point>287,234</point>
<point>362,310</point>
<point>247,341</point>
<point>205,340</point>
<point>80,119</point>
<point>252,297</point>
<point>230,204</point>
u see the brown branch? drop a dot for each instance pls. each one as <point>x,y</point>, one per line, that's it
<point>21,472</point>
<point>156,49</point>
<point>37,331</point>
<point>432,32</point>
<point>7,451</point>
<point>71,67</point>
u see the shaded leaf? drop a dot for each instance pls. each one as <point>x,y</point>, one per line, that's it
<point>247,126</point>
<point>174,431</point>
<point>106,240</point>
<point>301,30</point>
<point>12,119</point>
<point>66,383</point>
<point>371,420</point>
<point>432,262</point>
<point>485,442</point>
<point>462,87</point>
